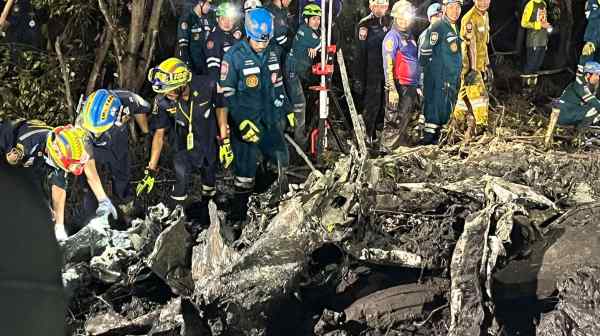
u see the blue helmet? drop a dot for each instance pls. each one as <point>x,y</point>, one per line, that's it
<point>433,9</point>
<point>592,67</point>
<point>100,111</point>
<point>259,25</point>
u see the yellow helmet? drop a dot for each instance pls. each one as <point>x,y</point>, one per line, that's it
<point>66,149</point>
<point>169,75</point>
<point>403,9</point>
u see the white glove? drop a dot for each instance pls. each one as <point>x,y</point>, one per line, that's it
<point>105,208</point>
<point>60,233</point>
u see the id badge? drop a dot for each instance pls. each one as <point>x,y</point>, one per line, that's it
<point>190,141</point>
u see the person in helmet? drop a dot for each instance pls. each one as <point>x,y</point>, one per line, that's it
<point>441,58</point>
<point>473,101</point>
<point>306,45</point>
<point>52,153</point>
<point>192,32</point>
<point>578,105</point>
<point>434,14</point>
<point>104,115</point>
<point>252,81</point>
<point>283,32</point>
<point>369,78</point>
<point>190,107</point>
<point>221,39</point>
<point>591,36</point>
<point>402,76</point>
<point>535,21</point>
<point>251,4</point>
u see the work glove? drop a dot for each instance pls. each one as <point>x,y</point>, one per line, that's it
<point>471,77</point>
<point>393,98</point>
<point>359,87</point>
<point>291,118</point>
<point>589,49</point>
<point>147,183</point>
<point>225,153</point>
<point>250,131</point>
<point>105,208</point>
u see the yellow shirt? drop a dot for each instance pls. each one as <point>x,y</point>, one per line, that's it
<point>475,32</point>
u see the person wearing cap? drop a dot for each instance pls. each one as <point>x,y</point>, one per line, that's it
<point>306,45</point>
<point>221,39</point>
<point>591,36</point>
<point>192,32</point>
<point>252,81</point>
<point>369,77</point>
<point>472,104</point>
<point>578,105</point>
<point>283,33</point>
<point>434,14</point>
<point>105,115</point>
<point>53,153</point>
<point>440,56</point>
<point>535,21</point>
<point>402,76</point>
<point>191,108</point>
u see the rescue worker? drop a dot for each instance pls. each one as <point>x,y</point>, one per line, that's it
<point>401,70</point>
<point>440,56</point>
<point>252,81</point>
<point>591,37</point>
<point>192,32</point>
<point>298,66</point>
<point>434,14</point>
<point>251,4</point>
<point>191,108</point>
<point>369,77</point>
<point>221,38</point>
<point>283,32</point>
<point>578,105</point>
<point>535,21</point>
<point>104,115</point>
<point>52,153</point>
<point>473,100</point>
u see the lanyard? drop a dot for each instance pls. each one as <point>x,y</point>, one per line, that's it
<point>191,113</point>
<point>190,135</point>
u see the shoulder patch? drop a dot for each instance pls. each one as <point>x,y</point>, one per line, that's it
<point>184,25</point>
<point>210,44</point>
<point>362,33</point>
<point>433,38</point>
<point>389,45</point>
<point>224,70</point>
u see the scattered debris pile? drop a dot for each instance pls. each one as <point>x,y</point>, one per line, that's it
<point>421,242</point>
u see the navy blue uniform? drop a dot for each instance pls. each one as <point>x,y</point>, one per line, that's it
<point>369,68</point>
<point>110,150</point>
<point>217,44</point>
<point>176,117</point>
<point>192,32</point>
<point>30,138</point>
<point>253,88</point>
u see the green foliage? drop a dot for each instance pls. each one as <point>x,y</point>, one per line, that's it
<point>31,87</point>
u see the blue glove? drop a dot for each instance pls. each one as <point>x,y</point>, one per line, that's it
<point>105,208</point>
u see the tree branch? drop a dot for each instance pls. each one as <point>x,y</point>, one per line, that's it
<point>101,53</point>
<point>114,30</point>
<point>65,75</point>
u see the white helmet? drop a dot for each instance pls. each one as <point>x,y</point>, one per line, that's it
<point>251,4</point>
